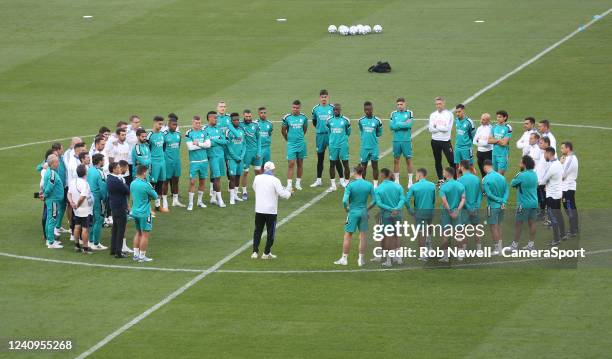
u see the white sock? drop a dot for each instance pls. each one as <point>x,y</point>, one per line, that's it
<point>514,244</point>
<point>344,256</point>
<point>409,177</point>
<point>136,252</point>
<point>530,243</point>
<point>333,182</point>
<point>219,199</point>
<point>388,261</point>
<point>212,191</point>
<point>396,175</point>
<point>143,253</point>
<point>318,180</point>
<point>232,192</point>
<point>165,200</point>
<point>360,256</point>
<point>289,183</point>
<point>375,183</point>
<point>298,181</point>
<point>244,190</point>
<point>175,198</point>
<point>200,195</point>
<point>157,202</point>
<point>478,246</point>
<point>191,194</point>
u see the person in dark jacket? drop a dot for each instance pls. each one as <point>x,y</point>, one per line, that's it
<point>118,193</point>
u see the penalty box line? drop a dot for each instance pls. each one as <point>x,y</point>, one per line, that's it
<point>230,256</point>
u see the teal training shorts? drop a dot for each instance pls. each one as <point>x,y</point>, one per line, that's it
<point>495,215</point>
<point>217,167</point>
<point>368,154</point>
<point>158,170</point>
<point>173,169</point>
<point>339,153</point>
<point>500,163</point>
<point>234,167</point>
<point>461,154</point>
<point>402,149</point>
<point>250,159</point>
<point>526,214</point>
<point>356,220</point>
<point>198,169</point>
<point>144,224</point>
<point>296,151</point>
<point>322,140</point>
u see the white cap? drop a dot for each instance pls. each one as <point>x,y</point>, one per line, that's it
<point>268,166</point>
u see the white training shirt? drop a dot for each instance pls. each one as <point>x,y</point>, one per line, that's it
<point>552,179</point>
<point>71,168</point>
<point>570,173</point>
<point>80,188</point>
<point>119,151</point>
<point>131,139</point>
<point>443,122</point>
<point>541,166</point>
<point>523,142</point>
<point>267,190</point>
<point>481,139</point>
<point>534,152</point>
<point>553,140</point>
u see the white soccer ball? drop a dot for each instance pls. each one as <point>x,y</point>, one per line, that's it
<point>343,30</point>
<point>332,29</point>
<point>367,28</point>
<point>377,29</point>
<point>353,30</point>
<point>361,29</point>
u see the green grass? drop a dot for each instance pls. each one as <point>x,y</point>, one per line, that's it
<point>61,75</point>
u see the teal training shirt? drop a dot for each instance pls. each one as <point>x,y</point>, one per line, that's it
<point>218,141</point>
<point>389,196</point>
<point>464,133</point>
<point>473,190</point>
<point>223,122</point>
<point>423,193</point>
<point>295,125</point>
<point>401,125</point>
<point>265,132</point>
<point>501,131</point>
<point>339,131</point>
<point>156,144</point>
<point>141,155</point>
<point>172,140</point>
<point>199,136</point>
<point>97,182</point>
<point>141,192</point>
<point>236,144</point>
<point>452,190</point>
<point>370,129</point>
<point>53,187</point>
<point>356,195</point>
<point>526,182</point>
<point>320,115</point>
<point>252,137</point>
<point>496,188</point>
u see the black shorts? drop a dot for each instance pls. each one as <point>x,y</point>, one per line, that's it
<point>84,222</point>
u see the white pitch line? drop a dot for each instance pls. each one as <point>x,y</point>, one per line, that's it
<point>246,245</point>
<point>114,266</point>
<point>399,269</point>
<point>536,57</point>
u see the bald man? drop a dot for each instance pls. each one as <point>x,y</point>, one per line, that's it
<point>481,139</point>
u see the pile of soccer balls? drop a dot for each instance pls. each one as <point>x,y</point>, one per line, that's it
<point>354,29</point>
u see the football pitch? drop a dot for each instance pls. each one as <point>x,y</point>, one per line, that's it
<point>62,75</point>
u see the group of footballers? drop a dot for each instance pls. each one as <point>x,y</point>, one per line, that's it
<point>228,145</point>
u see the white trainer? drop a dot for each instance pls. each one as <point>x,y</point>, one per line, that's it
<point>232,201</point>
<point>142,259</point>
<point>190,207</point>
<point>55,245</point>
<point>360,262</point>
<point>254,255</point>
<point>56,232</point>
<point>298,187</point>
<point>177,203</point>
<point>268,256</point>
<point>213,199</point>
<point>332,188</point>
<point>222,205</point>
<point>201,205</point>
<point>342,261</point>
<point>316,183</point>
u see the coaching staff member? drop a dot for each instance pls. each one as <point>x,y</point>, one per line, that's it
<point>118,193</point>
<point>267,189</point>
<point>440,126</point>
